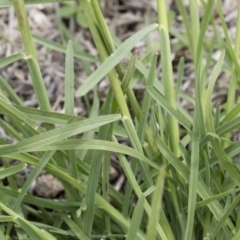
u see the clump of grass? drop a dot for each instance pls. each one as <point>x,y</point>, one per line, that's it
<point>187,183</point>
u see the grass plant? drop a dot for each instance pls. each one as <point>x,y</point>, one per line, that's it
<point>181,169</point>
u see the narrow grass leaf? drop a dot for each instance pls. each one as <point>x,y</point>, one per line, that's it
<point>174,113</point>
<point>229,211</point>
<point>11,111</point>
<point>58,47</point>
<point>129,72</point>
<point>69,80</point>
<point>44,203</point>
<point>229,45</point>
<point>179,76</point>
<point>113,60</point>
<point>10,129</point>
<point>27,226</point>
<point>225,162</point>
<point>38,84</point>
<point>101,202</point>
<point>155,206</point>
<point>63,132</point>
<point>203,190</point>
<point>136,219</point>
<point>32,176</point>
<point>165,232</point>
<point>12,170</point>
<point>76,230</point>
<point>214,197</point>
<point>128,124</point>
<point>10,92</point>
<point>33,231</point>
<point>46,116</point>
<point>147,100</point>
<point>193,179</point>
<point>231,115</point>
<point>168,84</point>
<point>11,59</point>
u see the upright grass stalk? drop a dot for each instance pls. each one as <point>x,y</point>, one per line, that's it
<point>193,179</point>
<point>21,14</point>
<point>195,26</point>
<point>115,84</point>
<point>233,81</point>
<point>167,72</point>
<point>31,57</point>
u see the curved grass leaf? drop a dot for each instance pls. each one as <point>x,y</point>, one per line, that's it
<point>10,92</point>
<point>58,47</point>
<point>217,196</point>
<point>225,162</point>
<point>44,203</point>
<point>76,230</point>
<point>28,227</point>
<point>12,170</point>
<point>11,59</point>
<point>164,103</point>
<point>57,134</point>
<point>97,145</point>
<point>113,60</point>
<point>32,176</point>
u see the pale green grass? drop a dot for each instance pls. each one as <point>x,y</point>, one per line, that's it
<point>181,170</point>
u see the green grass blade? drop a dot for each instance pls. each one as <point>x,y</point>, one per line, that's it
<point>69,81</point>
<point>173,112</point>
<point>136,219</point>
<point>229,45</point>
<point>28,227</point>
<point>63,132</point>
<point>12,112</point>
<point>10,130</point>
<point>168,83</point>
<point>11,59</point>
<point>32,176</point>
<point>60,118</point>
<point>128,124</point>
<point>76,230</point>
<point>193,180</point>
<point>96,144</point>
<point>217,196</point>
<point>164,233</point>
<point>10,92</point>
<point>129,72</point>
<point>58,47</point>
<point>45,116</point>
<point>227,213</point>
<point>231,114</point>
<point>12,170</point>
<point>44,203</point>
<point>225,162</point>
<point>113,60</point>
<point>24,27</point>
<point>38,84</point>
<point>33,231</point>
<point>147,101</point>
<point>179,75</point>
<point>156,205</point>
